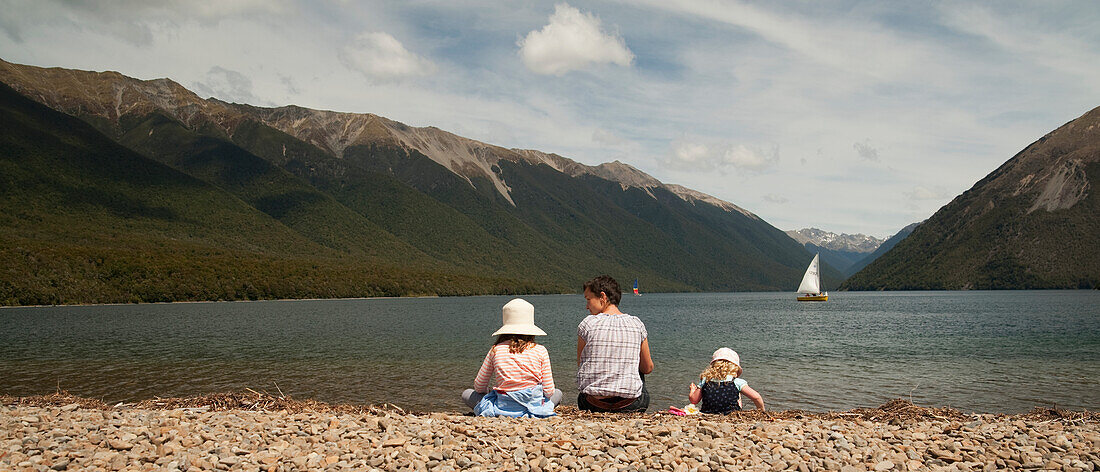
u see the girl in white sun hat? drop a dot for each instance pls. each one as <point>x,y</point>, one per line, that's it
<point>524,380</point>
<point>720,385</point>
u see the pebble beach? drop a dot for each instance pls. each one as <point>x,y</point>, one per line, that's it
<point>254,432</point>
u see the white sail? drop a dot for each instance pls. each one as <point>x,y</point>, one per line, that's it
<point>811,282</point>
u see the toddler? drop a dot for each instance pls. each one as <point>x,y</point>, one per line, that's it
<point>720,385</point>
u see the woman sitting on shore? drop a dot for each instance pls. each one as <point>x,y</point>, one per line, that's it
<point>612,353</point>
<point>522,368</point>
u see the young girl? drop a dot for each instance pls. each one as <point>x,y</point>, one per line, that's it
<point>720,385</point>
<point>525,382</point>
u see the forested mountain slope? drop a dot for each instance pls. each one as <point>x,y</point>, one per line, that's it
<point>426,210</point>
<point>1032,223</point>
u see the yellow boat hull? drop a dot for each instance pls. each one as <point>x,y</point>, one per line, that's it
<point>813,298</point>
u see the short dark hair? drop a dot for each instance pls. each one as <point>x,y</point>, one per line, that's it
<point>605,284</point>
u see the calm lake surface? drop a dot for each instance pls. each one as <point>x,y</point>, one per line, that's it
<point>996,352</point>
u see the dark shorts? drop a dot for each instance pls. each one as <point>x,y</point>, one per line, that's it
<point>615,404</point>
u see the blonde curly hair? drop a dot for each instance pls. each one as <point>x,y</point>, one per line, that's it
<point>719,370</point>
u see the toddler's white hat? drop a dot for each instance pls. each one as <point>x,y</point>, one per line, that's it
<point>726,354</point>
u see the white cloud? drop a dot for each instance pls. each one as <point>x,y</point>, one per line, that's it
<point>605,137</point>
<point>228,85</point>
<point>921,192</point>
<point>291,87</point>
<point>382,58</point>
<point>571,41</point>
<point>774,198</point>
<point>948,92</point>
<point>743,157</point>
<point>135,22</point>
<point>701,157</point>
<point>692,154</point>
<point>1066,47</point>
<point>863,50</point>
<point>865,151</point>
<point>220,8</point>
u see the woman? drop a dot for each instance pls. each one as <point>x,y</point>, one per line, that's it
<point>612,353</point>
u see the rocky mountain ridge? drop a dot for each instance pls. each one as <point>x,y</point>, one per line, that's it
<point>1031,223</point>
<point>382,202</point>
<point>464,157</point>
<point>841,251</point>
<point>886,245</point>
<point>860,243</point>
<point>110,96</point>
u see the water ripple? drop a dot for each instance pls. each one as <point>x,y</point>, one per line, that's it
<point>977,351</point>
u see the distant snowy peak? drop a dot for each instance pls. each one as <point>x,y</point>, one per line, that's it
<point>838,242</point>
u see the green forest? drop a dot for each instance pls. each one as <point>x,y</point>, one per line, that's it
<point>149,209</point>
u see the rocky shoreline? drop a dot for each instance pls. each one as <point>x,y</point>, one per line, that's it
<point>253,432</point>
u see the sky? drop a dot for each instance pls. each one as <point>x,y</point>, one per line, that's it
<point>848,116</point>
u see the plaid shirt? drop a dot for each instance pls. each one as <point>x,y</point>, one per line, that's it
<point>609,360</point>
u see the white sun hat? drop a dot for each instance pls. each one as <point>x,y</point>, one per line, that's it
<point>519,318</point>
<point>726,354</point>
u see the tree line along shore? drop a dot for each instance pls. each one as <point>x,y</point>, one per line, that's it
<point>254,431</point>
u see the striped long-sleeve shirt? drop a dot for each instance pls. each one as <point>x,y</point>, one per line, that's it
<point>515,371</point>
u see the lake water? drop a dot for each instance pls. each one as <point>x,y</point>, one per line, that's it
<point>998,352</point>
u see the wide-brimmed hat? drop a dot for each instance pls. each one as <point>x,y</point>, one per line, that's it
<point>726,354</point>
<point>519,318</point>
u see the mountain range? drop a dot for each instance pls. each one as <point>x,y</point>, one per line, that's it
<point>841,251</point>
<point>883,248</point>
<point>119,189</point>
<point>1032,223</point>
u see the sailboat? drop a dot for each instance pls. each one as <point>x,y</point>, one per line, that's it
<point>810,288</point>
<point>636,288</point>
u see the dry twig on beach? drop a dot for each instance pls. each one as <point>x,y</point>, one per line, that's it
<point>893,411</point>
<point>60,398</point>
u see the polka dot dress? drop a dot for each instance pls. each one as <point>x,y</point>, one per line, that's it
<point>720,397</point>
